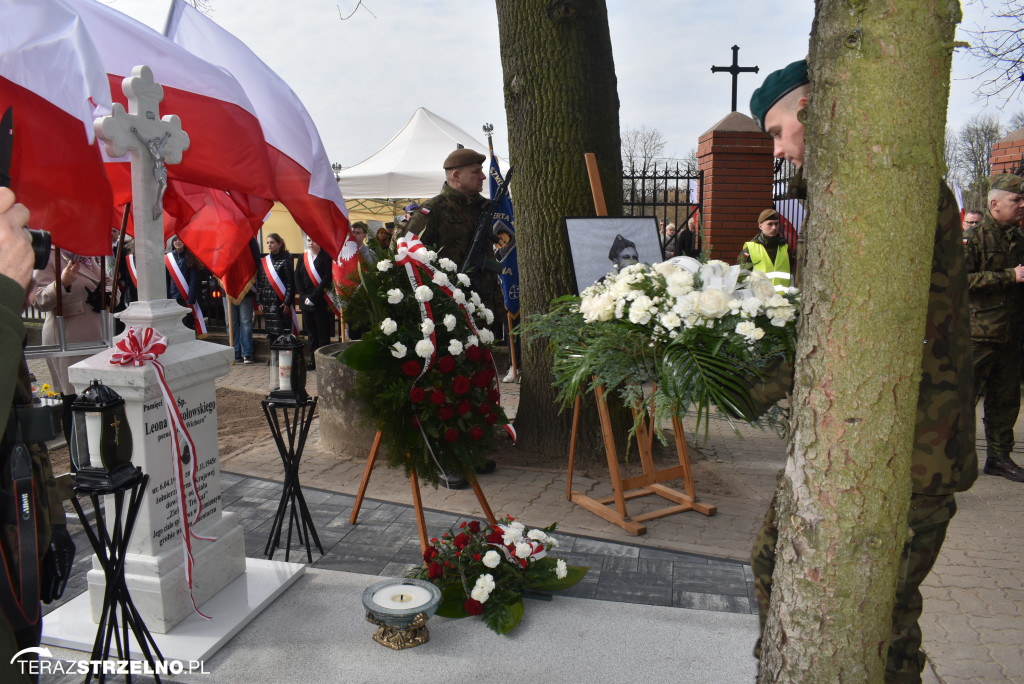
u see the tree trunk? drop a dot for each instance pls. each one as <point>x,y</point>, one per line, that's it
<point>561,102</point>
<point>874,140</point>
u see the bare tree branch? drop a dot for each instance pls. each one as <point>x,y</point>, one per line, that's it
<point>998,45</point>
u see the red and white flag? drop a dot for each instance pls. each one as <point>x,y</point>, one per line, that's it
<point>305,182</point>
<point>56,164</point>
<point>226,148</point>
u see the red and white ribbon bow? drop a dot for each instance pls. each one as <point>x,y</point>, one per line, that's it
<point>137,348</point>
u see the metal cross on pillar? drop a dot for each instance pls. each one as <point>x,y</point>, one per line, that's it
<point>153,143</point>
<point>735,70</point>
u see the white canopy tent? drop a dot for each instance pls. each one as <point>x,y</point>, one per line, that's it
<point>409,165</point>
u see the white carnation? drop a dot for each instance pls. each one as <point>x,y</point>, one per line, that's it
<point>491,559</point>
<point>424,349</point>
<point>449,322</point>
<point>447,264</point>
<point>430,256</point>
<point>560,569</point>
<point>459,296</point>
<point>488,315</point>
<point>424,294</point>
<point>427,326</point>
<point>486,336</point>
<point>398,350</point>
<point>523,550</point>
<point>441,279</point>
<point>395,296</point>
<point>670,320</point>
<point>537,535</point>
<point>463,279</point>
<point>388,326</point>
<point>454,347</point>
<point>749,330</point>
<point>472,341</point>
<point>384,265</point>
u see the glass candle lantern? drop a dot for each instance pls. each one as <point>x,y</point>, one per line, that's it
<point>287,375</point>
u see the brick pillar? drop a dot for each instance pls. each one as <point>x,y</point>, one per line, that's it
<point>736,158</point>
<point>1008,153</point>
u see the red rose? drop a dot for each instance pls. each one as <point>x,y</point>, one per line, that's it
<point>446,364</point>
<point>446,412</point>
<point>476,432</point>
<point>411,368</point>
<point>473,607</point>
<point>437,397</point>
<point>451,434</point>
<point>483,409</point>
<point>493,395</point>
<point>464,408</point>
<point>477,556</point>
<point>487,356</point>
<point>461,384</point>
<point>491,418</point>
<point>416,395</point>
<point>461,540</point>
<point>495,536</point>
<point>489,372</point>
<point>481,379</point>
<point>429,555</point>
<point>474,526</point>
<point>474,353</point>
<point>435,571</point>
<point>462,525</point>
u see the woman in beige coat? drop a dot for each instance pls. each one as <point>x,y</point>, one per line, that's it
<point>79,277</point>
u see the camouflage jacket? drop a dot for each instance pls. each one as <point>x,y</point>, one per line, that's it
<point>997,300</point>
<point>446,224</point>
<point>944,460</point>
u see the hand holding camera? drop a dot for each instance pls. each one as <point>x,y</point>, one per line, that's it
<point>16,257</point>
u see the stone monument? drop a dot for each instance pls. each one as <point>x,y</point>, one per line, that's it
<point>156,567</point>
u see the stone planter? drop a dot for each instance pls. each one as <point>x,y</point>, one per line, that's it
<point>343,430</point>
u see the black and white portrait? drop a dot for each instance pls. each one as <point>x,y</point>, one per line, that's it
<point>601,245</point>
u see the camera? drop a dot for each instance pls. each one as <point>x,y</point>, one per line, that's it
<point>41,243</point>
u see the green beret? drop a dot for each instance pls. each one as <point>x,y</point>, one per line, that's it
<point>1008,182</point>
<point>768,215</point>
<point>775,87</point>
<point>463,157</point>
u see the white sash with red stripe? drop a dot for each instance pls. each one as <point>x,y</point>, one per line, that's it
<point>280,290</point>
<point>179,282</point>
<point>131,270</point>
<point>308,260</point>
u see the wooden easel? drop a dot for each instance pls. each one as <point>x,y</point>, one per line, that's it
<point>650,481</point>
<point>417,502</point>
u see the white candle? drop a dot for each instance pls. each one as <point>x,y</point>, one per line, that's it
<point>285,370</point>
<point>402,597</point>
<point>93,431</point>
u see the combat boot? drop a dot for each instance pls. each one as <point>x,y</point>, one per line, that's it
<point>1004,466</point>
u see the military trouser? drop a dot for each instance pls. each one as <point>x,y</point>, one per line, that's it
<point>927,521</point>
<point>997,374</point>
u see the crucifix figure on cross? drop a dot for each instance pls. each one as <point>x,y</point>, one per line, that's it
<point>735,69</point>
<point>153,143</point>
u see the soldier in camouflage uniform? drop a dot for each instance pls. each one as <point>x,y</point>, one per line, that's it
<point>943,461</point>
<point>447,222</point>
<point>994,250</point>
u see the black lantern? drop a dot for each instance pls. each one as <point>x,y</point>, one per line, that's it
<point>287,375</point>
<point>101,441</point>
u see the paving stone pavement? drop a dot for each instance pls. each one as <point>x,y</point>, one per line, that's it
<point>974,597</point>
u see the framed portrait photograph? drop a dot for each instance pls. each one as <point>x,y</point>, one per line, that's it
<point>599,245</point>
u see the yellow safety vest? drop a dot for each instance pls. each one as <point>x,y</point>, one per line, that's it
<point>778,271</point>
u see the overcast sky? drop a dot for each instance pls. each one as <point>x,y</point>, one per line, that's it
<point>362,78</point>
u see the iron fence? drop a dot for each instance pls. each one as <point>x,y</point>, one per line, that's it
<point>674,198</point>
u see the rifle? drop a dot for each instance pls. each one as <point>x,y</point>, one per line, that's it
<point>484,229</point>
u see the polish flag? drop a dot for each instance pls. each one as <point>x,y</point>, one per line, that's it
<point>226,148</point>
<point>52,79</point>
<point>305,182</point>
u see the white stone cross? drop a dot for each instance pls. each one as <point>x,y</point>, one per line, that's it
<point>153,143</point>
